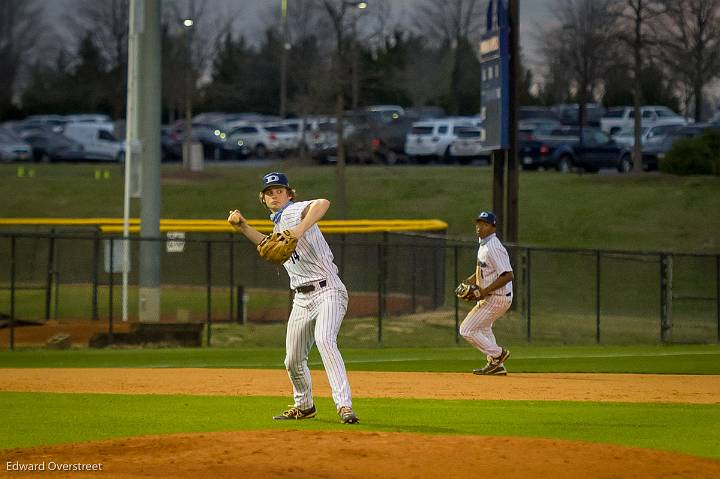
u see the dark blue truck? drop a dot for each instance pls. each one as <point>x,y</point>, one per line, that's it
<point>560,149</point>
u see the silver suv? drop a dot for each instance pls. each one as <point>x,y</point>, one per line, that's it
<point>432,138</point>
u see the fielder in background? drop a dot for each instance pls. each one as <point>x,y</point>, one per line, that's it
<point>491,287</point>
<point>320,298</point>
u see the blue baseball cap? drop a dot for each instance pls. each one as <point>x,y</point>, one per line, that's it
<point>488,217</point>
<point>275,179</point>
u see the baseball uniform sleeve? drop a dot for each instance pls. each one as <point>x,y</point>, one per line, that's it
<point>500,257</point>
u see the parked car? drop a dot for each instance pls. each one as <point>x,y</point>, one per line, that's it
<point>48,146</point>
<point>88,118</point>
<point>563,151</point>
<point>97,140</point>
<point>13,149</point>
<point>620,118</point>
<point>263,138</point>
<point>56,123</point>
<point>211,135</point>
<point>376,141</point>
<point>531,117</point>
<point>626,136</point>
<point>469,145</point>
<point>569,114</point>
<point>654,152</point>
<point>385,113</point>
<point>432,138</point>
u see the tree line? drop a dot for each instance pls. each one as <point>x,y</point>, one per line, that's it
<point>614,52</point>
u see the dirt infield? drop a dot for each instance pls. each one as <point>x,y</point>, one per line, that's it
<point>274,382</point>
<point>313,454</point>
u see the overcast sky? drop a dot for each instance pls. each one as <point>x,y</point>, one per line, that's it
<point>251,23</point>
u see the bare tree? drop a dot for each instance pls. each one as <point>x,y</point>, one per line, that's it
<point>192,34</point>
<point>688,41</point>
<point>453,24</point>
<point>584,44</point>
<point>421,77</point>
<point>347,22</point>
<point>20,31</point>
<point>635,21</point>
<point>107,24</point>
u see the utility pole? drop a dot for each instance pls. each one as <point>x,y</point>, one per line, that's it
<point>511,233</point>
<point>132,145</point>
<point>149,111</point>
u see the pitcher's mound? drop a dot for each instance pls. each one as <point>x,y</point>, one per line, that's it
<point>351,454</point>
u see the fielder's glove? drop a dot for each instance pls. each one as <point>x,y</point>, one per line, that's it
<point>278,247</point>
<point>468,292</point>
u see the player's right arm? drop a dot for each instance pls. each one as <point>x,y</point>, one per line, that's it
<point>240,224</point>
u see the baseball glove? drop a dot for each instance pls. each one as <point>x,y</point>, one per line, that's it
<point>467,292</point>
<point>278,247</point>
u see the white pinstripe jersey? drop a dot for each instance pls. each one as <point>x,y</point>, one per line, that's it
<point>492,261</point>
<point>312,259</point>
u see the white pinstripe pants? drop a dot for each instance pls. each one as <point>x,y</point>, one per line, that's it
<point>316,318</point>
<point>476,328</point>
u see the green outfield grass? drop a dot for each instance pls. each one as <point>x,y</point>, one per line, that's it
<point>700,359</point>
<point>645,212</point>
<point>46,418</point>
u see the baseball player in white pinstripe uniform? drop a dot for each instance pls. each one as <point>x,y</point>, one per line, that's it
<point>320,299</point>
<point>493,275</point>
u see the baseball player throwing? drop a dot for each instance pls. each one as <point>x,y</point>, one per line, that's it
<point>491,287</point>
<point>320,299</point>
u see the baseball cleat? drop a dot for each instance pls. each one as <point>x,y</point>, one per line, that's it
<point>296,413</point>
<point>347,415</point>
<point>504,355</point>
<point>491,370</point>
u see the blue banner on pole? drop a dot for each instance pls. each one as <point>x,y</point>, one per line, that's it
<point>494,54</point>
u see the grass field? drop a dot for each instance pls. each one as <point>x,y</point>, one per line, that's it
<point>61,418</point>
<point>646,212</point>
<point>698,359</point>
<point>31,419</point>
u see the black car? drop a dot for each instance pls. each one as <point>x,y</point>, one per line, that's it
<point>49,146</point>
<point>562,150</point>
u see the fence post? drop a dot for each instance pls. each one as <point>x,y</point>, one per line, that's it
<point>597,296</point>
<point>717,294</point>
<point>208,269</point>
<point>241,301</point>
<point>232,277</point>
<point>528,295</point>
<point>96,257</point>
<point>381,309</point>
<point>56,272</point>
<point>110,284</point>
<point>413,277</point>
<point>666,297</point>
<point>456,299</point>
<point>48,281</point>
<point>12,293</point>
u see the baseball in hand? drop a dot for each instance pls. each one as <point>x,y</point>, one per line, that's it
<point>235,218</point>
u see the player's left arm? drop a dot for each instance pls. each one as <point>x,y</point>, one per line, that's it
<point>311,215</point>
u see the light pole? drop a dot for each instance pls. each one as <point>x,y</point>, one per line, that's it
<point>284,59</point>
<point>340,184</point>
<point>187,24</point>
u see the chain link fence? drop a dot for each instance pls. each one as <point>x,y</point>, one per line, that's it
<point>401,290</point>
